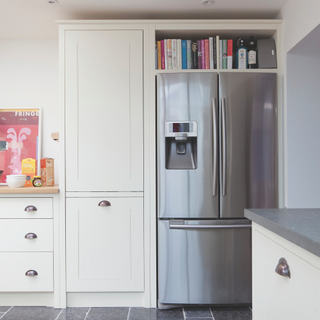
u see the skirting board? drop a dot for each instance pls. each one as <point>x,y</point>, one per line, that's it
<point>110,299</point>
<point>27,299</point>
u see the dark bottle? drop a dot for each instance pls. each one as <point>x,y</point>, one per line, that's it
<point>252,54</point>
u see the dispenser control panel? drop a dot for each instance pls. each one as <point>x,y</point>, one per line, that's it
<point>190,128</point>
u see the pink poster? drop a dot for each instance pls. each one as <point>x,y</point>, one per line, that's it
<point>19,139</point>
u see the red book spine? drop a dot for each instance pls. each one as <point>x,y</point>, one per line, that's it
<point>203,56</point>
<point>163,66</point>
<point>229,53</point>
<point>199,55</point>
<point>207,56</point>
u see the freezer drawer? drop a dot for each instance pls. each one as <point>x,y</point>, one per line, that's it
<point>204,262</point>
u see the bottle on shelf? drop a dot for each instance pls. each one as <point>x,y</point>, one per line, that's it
<point>252,54</point>
<point>241,55</point>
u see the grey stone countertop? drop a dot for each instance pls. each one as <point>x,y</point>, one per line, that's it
<point>300,226</point>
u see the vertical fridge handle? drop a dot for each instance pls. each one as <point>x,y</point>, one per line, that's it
<point>224,151</point>
<point>215,148</point>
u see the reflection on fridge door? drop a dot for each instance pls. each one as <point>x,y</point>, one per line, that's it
<point>211,142</point>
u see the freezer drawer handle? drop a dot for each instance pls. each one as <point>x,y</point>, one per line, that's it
<point>104,203</point>
<point>283,268</point>
<point>30,209</point>
<point>31,273</point>
<point>208,226</point>
<point>31,235</point>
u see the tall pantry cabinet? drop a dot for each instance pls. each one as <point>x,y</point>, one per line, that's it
<point>103,110</point>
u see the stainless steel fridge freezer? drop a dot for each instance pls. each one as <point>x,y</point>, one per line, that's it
<point>216,155</point>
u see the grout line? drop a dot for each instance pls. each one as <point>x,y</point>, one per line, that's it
<point>6,312</point>
<point>59,314</point>
<point>184,314</point>
<point>87,314</point>
<point>250,309</point>
<point>129,313</point>
<point>211,313</point>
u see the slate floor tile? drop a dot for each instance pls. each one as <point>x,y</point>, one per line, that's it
<point>4,309</point>
<point>197,312</point>
<point>170,314</point>
<point>108,314</point>
<point>143,314</point>
<point>31,313</point>
<point>231,313</point>
<point>73,314</point>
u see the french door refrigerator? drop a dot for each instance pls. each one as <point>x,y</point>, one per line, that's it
<point>216,155</point>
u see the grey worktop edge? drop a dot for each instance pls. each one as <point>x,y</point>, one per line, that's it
<point>298,239</point>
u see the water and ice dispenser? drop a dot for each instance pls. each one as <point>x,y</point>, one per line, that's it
<point>181,145</point>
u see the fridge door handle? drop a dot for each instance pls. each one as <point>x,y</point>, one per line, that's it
<point>173,225</point>
<point>215,147</point>
<point>224,151</point>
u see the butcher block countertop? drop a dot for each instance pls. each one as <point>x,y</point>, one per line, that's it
<point>300,226</point>
<point>29,190</point>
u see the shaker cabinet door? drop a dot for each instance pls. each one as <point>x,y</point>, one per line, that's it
<point>104,110</point>
<point>105,245</point>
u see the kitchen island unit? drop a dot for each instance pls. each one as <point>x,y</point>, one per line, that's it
<point>286,263</point>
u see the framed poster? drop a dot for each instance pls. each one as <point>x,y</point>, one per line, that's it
<point>20,138</point>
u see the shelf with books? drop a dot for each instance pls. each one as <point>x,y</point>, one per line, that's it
<point>186,54</point>
<point>223,48</point>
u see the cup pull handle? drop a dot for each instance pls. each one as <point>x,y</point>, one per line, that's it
<point>104,203</point>
<point>31,235</point>
<point>283,268</point>
<point>31,273</point>
<point>30,209</point>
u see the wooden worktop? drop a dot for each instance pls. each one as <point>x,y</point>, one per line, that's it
<point>29,190</point>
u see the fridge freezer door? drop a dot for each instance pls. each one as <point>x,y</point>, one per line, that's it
<point>248,142</point>
<point>204,262</point>
<point>188,193</point>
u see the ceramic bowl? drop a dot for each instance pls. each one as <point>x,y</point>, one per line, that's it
<point>16,182</point>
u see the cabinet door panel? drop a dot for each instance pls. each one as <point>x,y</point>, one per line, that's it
<point>277,297</point>
<point>105,245</point>
<point>104,103</point>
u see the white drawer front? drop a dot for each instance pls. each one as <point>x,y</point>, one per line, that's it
<point>13,235</point>
<point>13,267</point>
<point>17,208</point>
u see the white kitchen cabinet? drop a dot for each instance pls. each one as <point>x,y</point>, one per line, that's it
<point>26,243</point>
<point>104,110</point>
<point>105,245</point>
<point>279,297</point>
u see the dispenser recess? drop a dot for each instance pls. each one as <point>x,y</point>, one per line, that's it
<point>181,145</point>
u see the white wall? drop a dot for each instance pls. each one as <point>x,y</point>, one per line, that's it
<point>29,75</point>
<point>301,103</point>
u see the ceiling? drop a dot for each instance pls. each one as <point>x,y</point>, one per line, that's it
<point>36,18</point>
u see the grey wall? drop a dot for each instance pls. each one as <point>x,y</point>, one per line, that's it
<point>303,122</point>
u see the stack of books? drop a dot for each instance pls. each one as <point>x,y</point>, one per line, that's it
<point>226,53</point>
<point>175,54</point>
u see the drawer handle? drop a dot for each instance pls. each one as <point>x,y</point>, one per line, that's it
<point>31,273</point>
<point>31,236</point>
<point>30,209</point>
<point>283,268</point>
<point>104,203</point>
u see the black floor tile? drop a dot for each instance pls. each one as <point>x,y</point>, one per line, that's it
<point>143,314</point>
<point>231,313</point>
<point>108,314</point>
<point>170,314</point>
<point>73,314</point>
<point>197,312</point>
<point>31,313</point>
